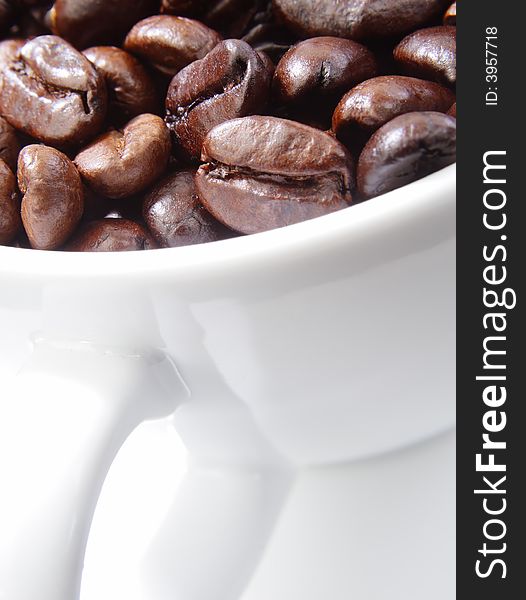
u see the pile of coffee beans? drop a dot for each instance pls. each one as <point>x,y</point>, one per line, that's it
<point>137,124</point>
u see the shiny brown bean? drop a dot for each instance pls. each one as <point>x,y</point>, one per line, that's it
<point>376,101</point>
<point>52,202</point>
<point>320,69</point>
<point>111,235</point>
<point>52,93</point>
<point>122,163</point>
<point>430,53</point>
<point>265,172</point>
<point>231,81</point>
<point>175,215</point>
<point>9,144</point>
<point>450,18</point>
<point>357,19</point>
<point>97,22</point>
<point>404,150</point>
<point>131,90</point>
<point>10,222</point>
<point>170,43</point>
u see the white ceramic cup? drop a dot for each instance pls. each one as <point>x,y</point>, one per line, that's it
<point>322,343</point>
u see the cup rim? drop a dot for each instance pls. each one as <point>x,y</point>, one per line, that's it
<point>403,207</point>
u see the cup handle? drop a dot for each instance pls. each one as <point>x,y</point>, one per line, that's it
<point>63,418</point>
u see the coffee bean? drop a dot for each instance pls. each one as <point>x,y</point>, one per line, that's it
<point>122,163</point>
<point>231,81</point>
<point>404,150</point>
<point>265,172</point>
<point>373,103</point>
<point>231,17</point>
<point>10,222</point>
<point>321,69</point>
<point>175,215</point>
<point>170,43</point>
<point>267,62</point>
<point>9,144</point>
<point>356,19</point>
<point>111,235</point>
<point>97,22</point>
<point>276,112</point>
<point>131,90</point>
<point>450,18</point>
<point>430,53</point>
<point>52,93</point>
<point>52,202</point>
<point>8,49</point>
<point>7,14</point>
<point>183,8</point>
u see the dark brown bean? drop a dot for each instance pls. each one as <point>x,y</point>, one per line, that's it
<point>9,144</point>
<point>170,43</point>
<point>7,14</point>
<point>430,53</point>
<point>373,103</point>
<point>131,90</point>
<point>122,163</point>
<point>175,215</point>
<point>184,8</point>
<point>404,150</point>
<point>321,69</point>
<point>357,19</point>
<point>52,93</point>
<point>111,235</point>
<point>265,172</point>
<point>231,17</point>
<point>231,81</point>
<point>10,222</point>
<point>52,204</point>
<point>450,18</point>
<point>97,22</point>
<point>453,110</point>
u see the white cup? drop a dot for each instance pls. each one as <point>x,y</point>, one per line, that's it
<point>326,342</point>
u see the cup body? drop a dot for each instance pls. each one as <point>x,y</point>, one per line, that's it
<point>335,335</point>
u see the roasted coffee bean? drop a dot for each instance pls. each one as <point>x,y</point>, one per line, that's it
<point>9,144</point>
<point>267,62</point>
<point>131,90</point>
<point>52,202</point>
<point>52,93</point>
<point>8,49</point>
<point>183,8</point>
<point>7,14</point>
<point>450,18</point>
<point>357,19</point>
<point>231,81</point>
<point>111,235</point>
<point>453,110</point>
<point>97,22</point>
<point>175,215</point>
<point>430,53</point>
<point>373,103</point>
<point>321,69</point>
<point>122,163</point>
<point>265,172</point>
<point>10,222</point>
<point>404,150</point>
<point>170,43</point>
<point>231,17</point>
